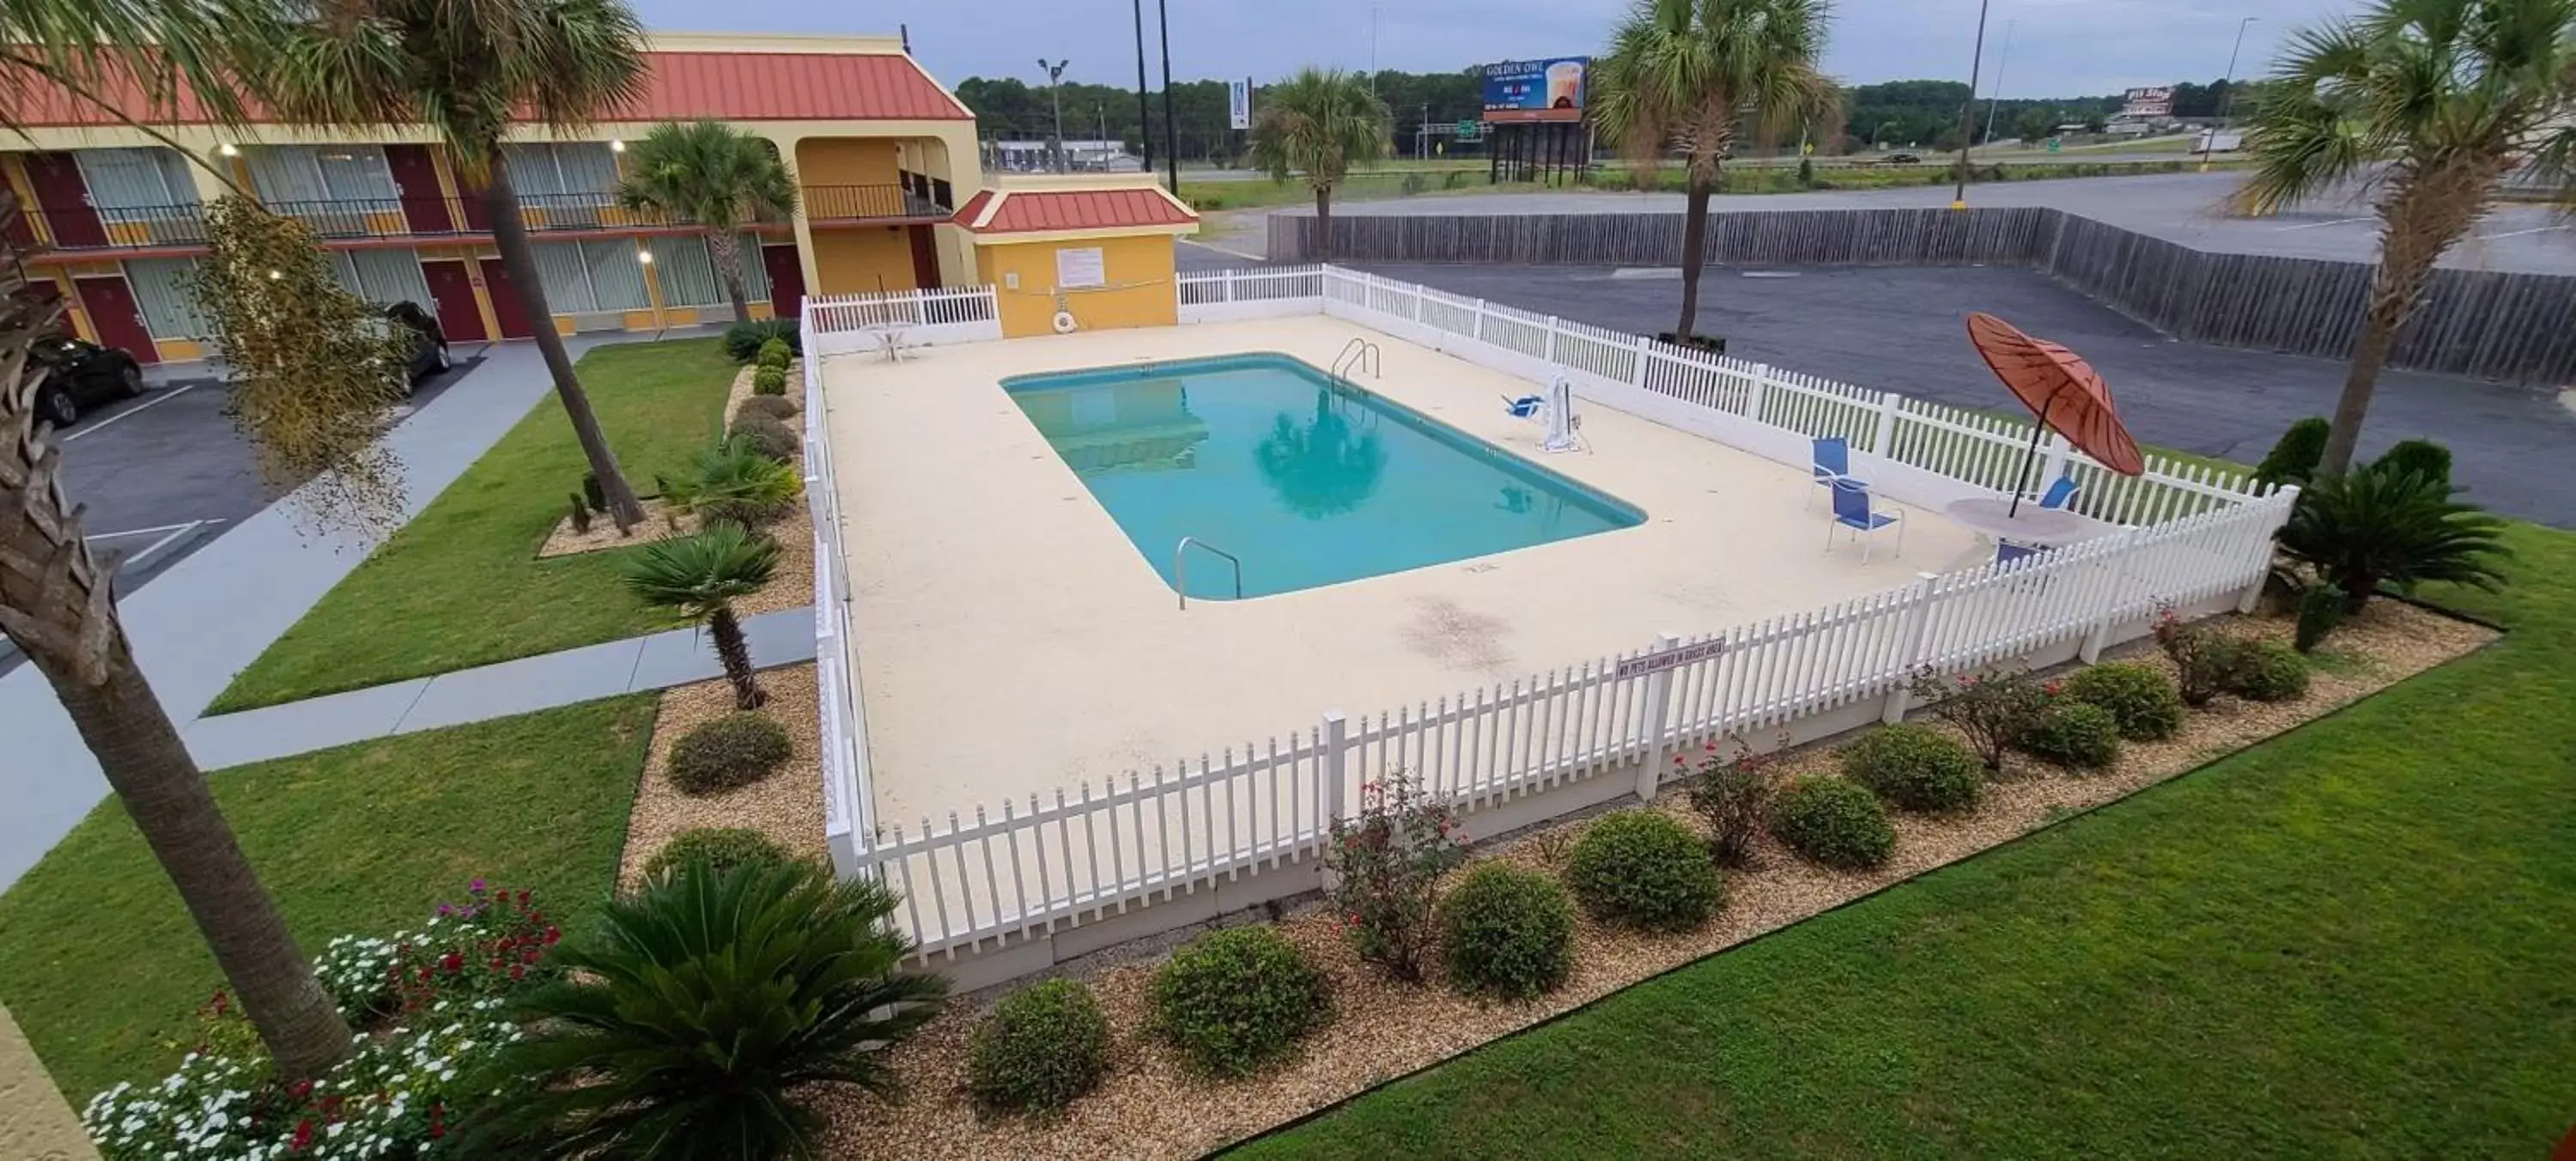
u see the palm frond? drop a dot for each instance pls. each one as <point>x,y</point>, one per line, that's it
<point>146,60</point>
<point>1317,125</point>
<point>2381,524</point>
<point>708,172</point>
<point>696,575</point>
<point>1686,73</point>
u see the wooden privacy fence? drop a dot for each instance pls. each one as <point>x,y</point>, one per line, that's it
<point>1247,824</point>
<point>2495,325</point>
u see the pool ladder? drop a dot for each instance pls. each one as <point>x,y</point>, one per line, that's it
<point>1358,355</point>
<point>1181,568</point>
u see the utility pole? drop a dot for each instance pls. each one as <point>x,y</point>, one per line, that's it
<point>2002,62</point>
<point>1055,92</point>
<point>1373,11</point>
<point>1171,134</point>
<point>1968,112</point>
<point>2227,100</point>
<point>1144,112</point>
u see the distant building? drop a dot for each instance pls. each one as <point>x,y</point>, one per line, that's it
<point>1094,156</point>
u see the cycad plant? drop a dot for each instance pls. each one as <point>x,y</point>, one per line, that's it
<point>1683,74</point>
<point>734,480</point>
<point>2429,105</point>
<point>1314,127</point>
<point>717,176</point>
<point>700,577</point>
<point>693,1019</point>
<point>2384,524</point>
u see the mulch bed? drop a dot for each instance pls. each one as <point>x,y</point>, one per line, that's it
<point>786,806</point>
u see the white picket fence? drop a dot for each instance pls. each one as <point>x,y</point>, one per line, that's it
<point>842,323</point>
<point>848,807</point>
<point>988,879</point>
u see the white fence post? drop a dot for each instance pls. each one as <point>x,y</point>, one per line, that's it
<point>1653,717</point>
<point>1884,442</point>
<point>2055,463</point>
<point>1761,379</point>
<point>1918,623</point>
<point>2288,499</point>
<point>2118,563</point>
<point>1480,320</point>
<point>1229,285</point>
<point>1638,378</point>
<point>1551,340</point>
<point>1336,730</point>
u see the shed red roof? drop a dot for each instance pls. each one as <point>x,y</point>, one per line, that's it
<point>735,86</point>
<point>1027,211</point>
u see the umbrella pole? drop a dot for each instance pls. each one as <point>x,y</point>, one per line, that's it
<point>2037,427</point>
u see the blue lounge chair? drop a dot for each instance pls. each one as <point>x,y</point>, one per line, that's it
<point>1852,511</point>
<point>2007,552</point>
<point>2060,494</point>
<point>1832,461</point>
<point>1525,407</point>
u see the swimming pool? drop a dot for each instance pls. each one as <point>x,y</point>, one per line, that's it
<point>1306,480</point>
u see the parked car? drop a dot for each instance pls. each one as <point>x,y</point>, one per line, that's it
<point>1903,159</point>
<point>81,375</point>
<point>428,342</point>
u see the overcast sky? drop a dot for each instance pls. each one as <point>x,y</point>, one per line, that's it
<point>2059,47</point>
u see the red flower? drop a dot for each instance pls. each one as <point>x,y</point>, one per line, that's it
<point>518,971</point>
<point>452,962</point>
<point>553,934</point>
<point>437,1120</point>
<point>303,1136</point>
<point>299,1089</point>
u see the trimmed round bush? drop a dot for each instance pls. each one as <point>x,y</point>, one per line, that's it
<point>2075,734</point>
<point>778,407</point>
<point>775,353</point>
<point>1834,821</point>
<point>1234,1001</point>
<point>1644,869</point>
<point>743,340</point>
<point>723,847</point>
<point>2142,700</point>
<point>1916,767</point>
<point>733,750</point>
<point>769,381</point>
<point>767,435</point>
<point>1507,932</point>
<point>2270,671</point>
<point>1040,1048</point>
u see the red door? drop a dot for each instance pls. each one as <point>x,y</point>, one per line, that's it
<point>416,183</point>
<point>64,197</point>
<point>116,318</point>
<point>925,258</point>
<point>786,279</point>
<point>451,292</point>
<point>506,307</point>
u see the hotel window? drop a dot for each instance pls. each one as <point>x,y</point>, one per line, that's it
<point>160,289</point>
<point>591,277</point>
<point>688,272</point>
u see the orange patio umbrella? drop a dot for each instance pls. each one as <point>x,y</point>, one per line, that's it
<point>2062,391</point>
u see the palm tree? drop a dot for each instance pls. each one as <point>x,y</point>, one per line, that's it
<point>1315,128</point>
<point>700,577</point>
<point>469,71</point>
<point>2428,104</point>
<point>718,176</point>
<point>1320,468</point>
<point>1682,74</point>
<point>56,604</point>
<point>697,1017</point>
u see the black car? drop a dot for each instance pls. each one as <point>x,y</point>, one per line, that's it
<point>81,375</point>
<point>428,343</point>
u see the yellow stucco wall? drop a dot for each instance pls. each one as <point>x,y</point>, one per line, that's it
<point>35,1123</point>
<point>847,161</point>
<point>1138,270</point>
<point>861,260</point>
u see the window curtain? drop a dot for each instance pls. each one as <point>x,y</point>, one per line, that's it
<point>355,173</point>
<point>532,169</point>
<point>567,281</point>
<point>169,309</point>
<point>688,274</point>
<point>385,276</point>
<point>616,276</point>
<point>120,179</point>
<point>285,173</point>
<point>587,167</point>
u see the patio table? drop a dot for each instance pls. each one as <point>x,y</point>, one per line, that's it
<point>2033,525</point>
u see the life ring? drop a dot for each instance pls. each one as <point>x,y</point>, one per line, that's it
<point>1064,324</point>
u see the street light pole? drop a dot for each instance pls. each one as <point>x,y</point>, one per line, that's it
<point>2227,100</point>
<point>1144,112</point>
<point>2003,61</point>
<point>1968,112</point>
<point>1171,134</point>
<point>1055,93</point>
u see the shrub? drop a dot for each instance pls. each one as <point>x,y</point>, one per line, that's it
<point>1991,709</point>
<point>2320,611</point>
<point>580,517</point>
<point>2294,458</point>
<point>1644,869</point>
<point>743,340</point>
<point>2075,734</point>
<point>2206,661</point>
<point>734,481</point>
<point>721,847</point>
<point>1387,865</point>
<point>737,749</point>
<point>709,1008</point>
<point>2270,671</point>
<point>593,493</point>
<point>1233,1001</point>
<point>2142,700</point>
<point>2376,525</point>
<point>774,355</point>
<point>1039,1049</point>
<point>1915,767</point>
<point>778,407</point>
<point>766,435</point>
<point>1507,932</point>
<point>1415,183</point>
<point>768,380</point>
<point>2420,456</point>
<point>1733,796</point>
<point>1833,821</point>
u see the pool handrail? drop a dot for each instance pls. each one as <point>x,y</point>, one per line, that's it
<point>1359,354</point>
<point>1181,568</point>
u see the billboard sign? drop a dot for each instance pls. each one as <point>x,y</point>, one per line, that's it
<point>2156,102</point>
<point>1535,90</point>
<point>1238,103</point>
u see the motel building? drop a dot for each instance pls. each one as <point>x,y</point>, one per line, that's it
<point>885,157</point>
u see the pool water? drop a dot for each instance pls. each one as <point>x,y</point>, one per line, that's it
<point>1308,481</point>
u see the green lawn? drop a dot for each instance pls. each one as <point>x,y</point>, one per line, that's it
<point>101,966</point>
<point>461,584</point>
<point>2351,941</point>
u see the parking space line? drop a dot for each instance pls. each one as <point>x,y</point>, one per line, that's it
<point>2321,225</point>
<point>2519,233</point>
<point>110,421</point>
<point>182,526</point>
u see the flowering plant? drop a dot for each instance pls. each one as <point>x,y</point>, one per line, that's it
<point>489,945</point>
<point>1386,865</point>
<point>1994,709</point>
<point>1733,793</point>
<point>2205,663</point>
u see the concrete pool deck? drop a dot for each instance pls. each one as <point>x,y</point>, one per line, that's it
<point>1010,640</point>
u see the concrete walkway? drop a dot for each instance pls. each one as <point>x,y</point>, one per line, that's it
<point>567,677</point>
<point>213,613</point>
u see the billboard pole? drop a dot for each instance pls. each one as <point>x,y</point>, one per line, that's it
<point>1968,112</point>
<point>1144,112</point>
<point>1171,135</point>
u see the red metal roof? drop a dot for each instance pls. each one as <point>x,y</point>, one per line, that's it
<point>736,86</point>
<point>1025,211</point>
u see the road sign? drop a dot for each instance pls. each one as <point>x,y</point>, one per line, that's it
<point>1669,659</point>
<point>1470,128</point>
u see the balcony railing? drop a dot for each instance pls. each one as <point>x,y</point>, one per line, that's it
<point>852,203</point>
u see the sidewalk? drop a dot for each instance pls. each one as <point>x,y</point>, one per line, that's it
<point>656,661</point>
